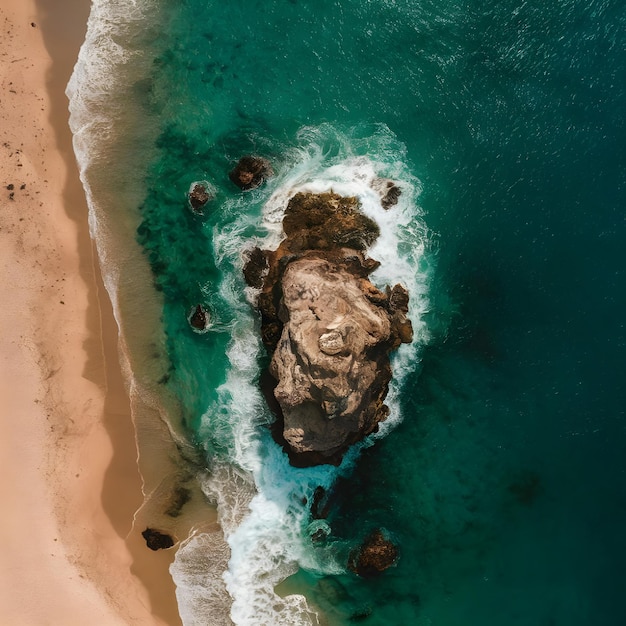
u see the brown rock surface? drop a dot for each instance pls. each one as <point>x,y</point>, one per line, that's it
<point>255,267</point>
<point>198,196</point>
<point>250,172</point>
<point>328,328</point>
<point>327,220</point>
<point>388,190</point>
<point>375,555</point>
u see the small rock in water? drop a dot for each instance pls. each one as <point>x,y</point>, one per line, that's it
<point>199,194</point>
<point>320,535</point>
<point>375,555</point>
<point>255,267</point>
<point>388,190</point>
<point>199,318</point>
<point>250,172</point>
<point>156,540</point>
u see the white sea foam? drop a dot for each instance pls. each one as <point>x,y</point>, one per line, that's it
<point>109,128</point>
<point>198,570</point>
<point>114,137</point>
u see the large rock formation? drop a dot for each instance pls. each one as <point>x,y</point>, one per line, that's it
<point>328,328</point>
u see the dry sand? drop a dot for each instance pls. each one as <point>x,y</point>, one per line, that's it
<point>68,470</point>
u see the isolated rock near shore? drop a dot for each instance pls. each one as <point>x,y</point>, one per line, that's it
<point>156,540</point>
<point>250,172</point>
<point>328,329</point>
<point>199,194</point>
<point>199,318</point>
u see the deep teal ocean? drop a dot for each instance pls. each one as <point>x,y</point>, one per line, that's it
<point>502,474</point>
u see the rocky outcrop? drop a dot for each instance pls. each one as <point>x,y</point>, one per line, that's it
<point>388,190</point>
<point>156,540</point>
<point>376,554</point>
<point>250,172</point>
<point>199,319</point>
<point>328,329</point>
<point>255,268</point>
<point>199,194</point>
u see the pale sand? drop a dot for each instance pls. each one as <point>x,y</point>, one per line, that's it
<point>68,475</point>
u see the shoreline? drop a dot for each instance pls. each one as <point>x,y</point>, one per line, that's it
<point>70,482</point>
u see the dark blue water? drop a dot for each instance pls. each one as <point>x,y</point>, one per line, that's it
<point>504,485</point>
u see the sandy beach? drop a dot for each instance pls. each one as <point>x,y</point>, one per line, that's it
<point>68,471</point>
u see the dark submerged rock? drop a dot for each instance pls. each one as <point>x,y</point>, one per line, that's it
<point>361,616</point>
<point>321,534</point>
<point>250,172</point>
<point>332,590</point>
<point>180,497</point>
<point>156,540</point>
<point>320,506</point>
<point>526,488</point>
<point>375,555</point>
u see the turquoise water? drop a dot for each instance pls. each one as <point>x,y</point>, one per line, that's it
<point>501,475</point>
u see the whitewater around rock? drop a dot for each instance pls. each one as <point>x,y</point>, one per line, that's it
<point>328,329</point>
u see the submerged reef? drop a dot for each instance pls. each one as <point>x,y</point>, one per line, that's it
<point>374,556</point>
<point>328,329</point>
